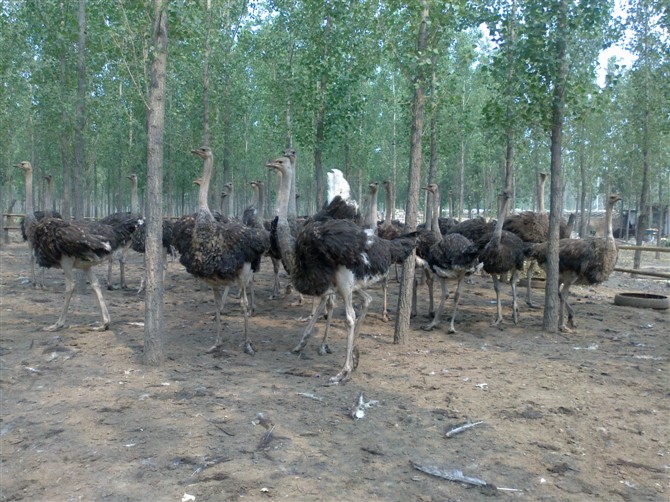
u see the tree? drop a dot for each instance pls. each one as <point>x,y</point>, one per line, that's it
<point>153,303</point>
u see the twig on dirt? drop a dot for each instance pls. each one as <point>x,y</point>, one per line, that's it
<point>32,370</point>
<point>628,463</point>
<point>218,427</point>
<point>463,427</point>
<point>311,396</point>
<point>207,463</point>
<point>358,411</point>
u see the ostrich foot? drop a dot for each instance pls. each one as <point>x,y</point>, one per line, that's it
<point>99,327</point>
<point>497,322</point>
<point>299,348</point>
<point>429,327</point>
<point>385,317</point>
<point>54,327</point>
<point>324,349</point>
<point>564,329</point>
<point>297,303</point>
<point>113,287</point>
<point>451,330</point>
<point>346,372</point>
<point>273,297</point>
<point>248,348</point>
<point>305,318</point>
<point>531,305</point>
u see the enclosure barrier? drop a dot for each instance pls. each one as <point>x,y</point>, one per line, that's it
<point>655,249</point>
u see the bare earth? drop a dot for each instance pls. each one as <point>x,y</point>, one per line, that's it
<point>583,416</point>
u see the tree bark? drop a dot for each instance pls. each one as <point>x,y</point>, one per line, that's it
<point>551,299</point>
<point>80,119</point>
<point>153,303</point>
<point>205,92</point>
<point>400,335</point>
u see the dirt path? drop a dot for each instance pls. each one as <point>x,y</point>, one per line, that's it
<point>583,416</point>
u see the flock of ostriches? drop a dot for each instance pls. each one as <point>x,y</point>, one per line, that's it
<point>336,252</point>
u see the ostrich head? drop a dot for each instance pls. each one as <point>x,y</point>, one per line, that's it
<point>374,186</point>
<point>203,152</point>
<point>48,178</point>
<point>614,198</point>
<point>25,165</point>
<point>281,165</point>
<point>197,181</point>
<point>132,177</point>
<point>431,187</point>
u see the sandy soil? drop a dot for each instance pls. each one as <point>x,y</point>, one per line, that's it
<point>582,416</point>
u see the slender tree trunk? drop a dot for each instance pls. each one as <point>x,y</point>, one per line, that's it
<point>208,51</point>
<point>153,303</point>
<point>320,120</point>
<point>64,140</point>
<point>400,335</point>
<point>80,118</point>
<point>551,300</point>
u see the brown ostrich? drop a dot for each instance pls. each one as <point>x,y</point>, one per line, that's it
<point>218,253</point>
<point>502,252</point>
<point>451,258</point>
<point>581,261</point>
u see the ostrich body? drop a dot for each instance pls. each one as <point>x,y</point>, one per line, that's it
<point>217,253</point>
<point>451,258</point>
<point>331,256</point>
<point>70,245</point>
<point>33,217</point>
<point>501,253</point>
<point>587,261</point>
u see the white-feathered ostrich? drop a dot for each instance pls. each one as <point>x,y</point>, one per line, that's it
<point>70,245</point>
<point>451,258</point>
<point>115,219</point>
<point>217,253</point>
<point>32,217</point>
<point>330,256</point>
<point>581,261</point>
<point>502,252</point>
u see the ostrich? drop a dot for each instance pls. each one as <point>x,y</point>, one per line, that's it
<point>219,253</point>
<point>70,245</point>
<point>33,217</point>
<point>115,219</point>
<point>581,261</point>
<point>533,228</point>
<point>452,257</point>
<point>502,252</point>
<point>330,256</point>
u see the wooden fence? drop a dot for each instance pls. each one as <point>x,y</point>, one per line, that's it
<point>654,249</point>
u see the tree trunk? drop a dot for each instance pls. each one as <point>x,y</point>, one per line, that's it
<point>400,335</point>
<point>153,303</point>
<point>551,300</point>
<point>205,92</point>
<point>80,119</point>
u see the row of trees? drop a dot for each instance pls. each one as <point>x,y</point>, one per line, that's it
<point>335,81</point>
<point>478,96</point>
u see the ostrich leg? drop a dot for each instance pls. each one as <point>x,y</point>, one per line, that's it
<point>245,278</point>
<point>218,300</point>
<point>93,279</point>
<point>457,297</point>
<point>69,290</point>
<point>496,286</point>
<point>515,306</point>
<point>330,305</point>
<point>276,285</point>
<point>310,326</point>
<point>438,313</point>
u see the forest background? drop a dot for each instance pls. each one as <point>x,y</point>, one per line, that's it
<point>334,80</point>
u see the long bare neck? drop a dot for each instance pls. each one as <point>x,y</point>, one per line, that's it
<point>435,226</point>
<point>134,200</point>
<point>502,214</point>
<point>371,220</point>
<point>48,195</point>
<point>540,193</point>
<point>609,211</point>
<point>389,204</point>
<point>207,164</point>
<point>261,200</point>
<point>29,191</point>
<point>284,238</point>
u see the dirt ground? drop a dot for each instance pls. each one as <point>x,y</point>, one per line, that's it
<point>582,416</point>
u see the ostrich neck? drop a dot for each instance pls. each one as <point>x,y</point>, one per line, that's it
<point>608,221</point>
<point>389,204</point>
<point>29,191</point>
<point>261,201</point>
<point>284,237</point>
<point>372,213</point>
<point>502,214</point>
<point>435,226</point>
<point>134,201</point>
<point>48,196</point>
<point>204,185</point>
